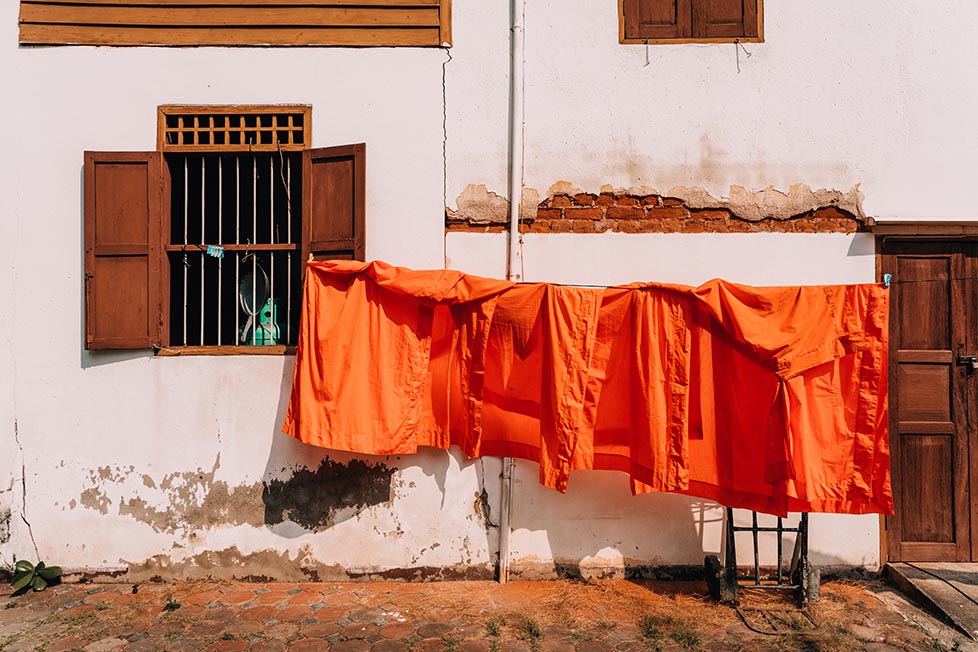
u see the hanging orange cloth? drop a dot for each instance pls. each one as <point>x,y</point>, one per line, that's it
<point>767,398</point>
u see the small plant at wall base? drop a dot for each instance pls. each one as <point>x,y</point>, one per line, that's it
<point>27,575</point>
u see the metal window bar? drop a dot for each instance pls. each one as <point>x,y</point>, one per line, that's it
<point>220,239</point>
<point>271,238</point>
<point>186,220</point>
<point>237,240</point>
<point>203,231</point>
<point>254,234</point>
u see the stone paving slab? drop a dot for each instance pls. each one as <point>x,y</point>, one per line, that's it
<point>558,616</point>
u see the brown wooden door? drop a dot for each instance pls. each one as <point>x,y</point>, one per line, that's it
<point>932,398</point>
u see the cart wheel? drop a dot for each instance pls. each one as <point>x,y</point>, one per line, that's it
<point>714,575</point>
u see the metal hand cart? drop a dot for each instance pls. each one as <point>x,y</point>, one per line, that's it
<point>800,576</point>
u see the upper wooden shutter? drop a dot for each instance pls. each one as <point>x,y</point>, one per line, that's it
<point>658,19</point>
<point>725,18</point>
<point>123,199</point>
<point>695,21</point>
<point>236,22</point>
<point>333,202</point>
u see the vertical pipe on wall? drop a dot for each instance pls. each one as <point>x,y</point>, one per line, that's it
<point>514,263</point>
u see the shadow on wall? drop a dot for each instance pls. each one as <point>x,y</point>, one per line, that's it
<point>599,530</point>
<point>313,488</point>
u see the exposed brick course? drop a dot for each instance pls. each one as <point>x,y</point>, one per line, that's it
<point>586,212</point>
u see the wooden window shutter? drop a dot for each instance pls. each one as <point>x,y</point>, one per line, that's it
<point>123,210</point>
<point>725,18</point>
<point>658,19</point>
<point>333,202</point>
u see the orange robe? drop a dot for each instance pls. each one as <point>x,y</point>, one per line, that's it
<point>772,399</point>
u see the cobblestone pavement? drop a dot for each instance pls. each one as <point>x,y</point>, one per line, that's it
<point>578,616</point>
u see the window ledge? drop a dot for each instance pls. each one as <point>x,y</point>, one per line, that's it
<point>173,351</point>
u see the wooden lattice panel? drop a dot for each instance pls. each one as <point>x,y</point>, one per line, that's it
<point>234,128</point>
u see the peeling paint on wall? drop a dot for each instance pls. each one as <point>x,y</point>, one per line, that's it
<point>478,205</point>
<point>280,566</point>
<point>194,500</point>
<point>93,498</point>
<point>621,209</point>
<point>232,564</point>
<point>771,203</point>
<point>5,515</point>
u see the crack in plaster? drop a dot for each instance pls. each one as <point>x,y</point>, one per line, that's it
<point>23,486</point>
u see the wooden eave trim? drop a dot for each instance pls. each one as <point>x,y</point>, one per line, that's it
<point>924,229</point>
<point>249,3</point>
<point>282,23</point>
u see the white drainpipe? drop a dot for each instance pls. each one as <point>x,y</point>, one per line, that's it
<point>514,263</point>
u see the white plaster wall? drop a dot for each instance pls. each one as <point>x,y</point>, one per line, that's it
<point>839,94</point>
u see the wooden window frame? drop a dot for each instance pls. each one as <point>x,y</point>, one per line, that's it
<point>127,207</point>
<point>276,23</point>
<point>690,20</point>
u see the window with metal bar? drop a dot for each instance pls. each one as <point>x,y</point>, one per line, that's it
<point>200,247</point>
<point>235,225</point>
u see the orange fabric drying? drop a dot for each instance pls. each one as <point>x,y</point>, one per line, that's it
<point>771,399</point>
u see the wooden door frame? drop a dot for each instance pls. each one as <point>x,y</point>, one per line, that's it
<point>948,234</point>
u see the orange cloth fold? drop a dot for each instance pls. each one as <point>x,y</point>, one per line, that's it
<point>771,399</point>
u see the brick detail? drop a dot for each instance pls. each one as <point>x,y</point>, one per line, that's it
<point>626,213</point>
<point>592,213</point>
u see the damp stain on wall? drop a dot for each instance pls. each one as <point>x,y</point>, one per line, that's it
<point>312,499</point>
<point>282,566</point>
<point>233,564</point>
<point>195,500</point>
